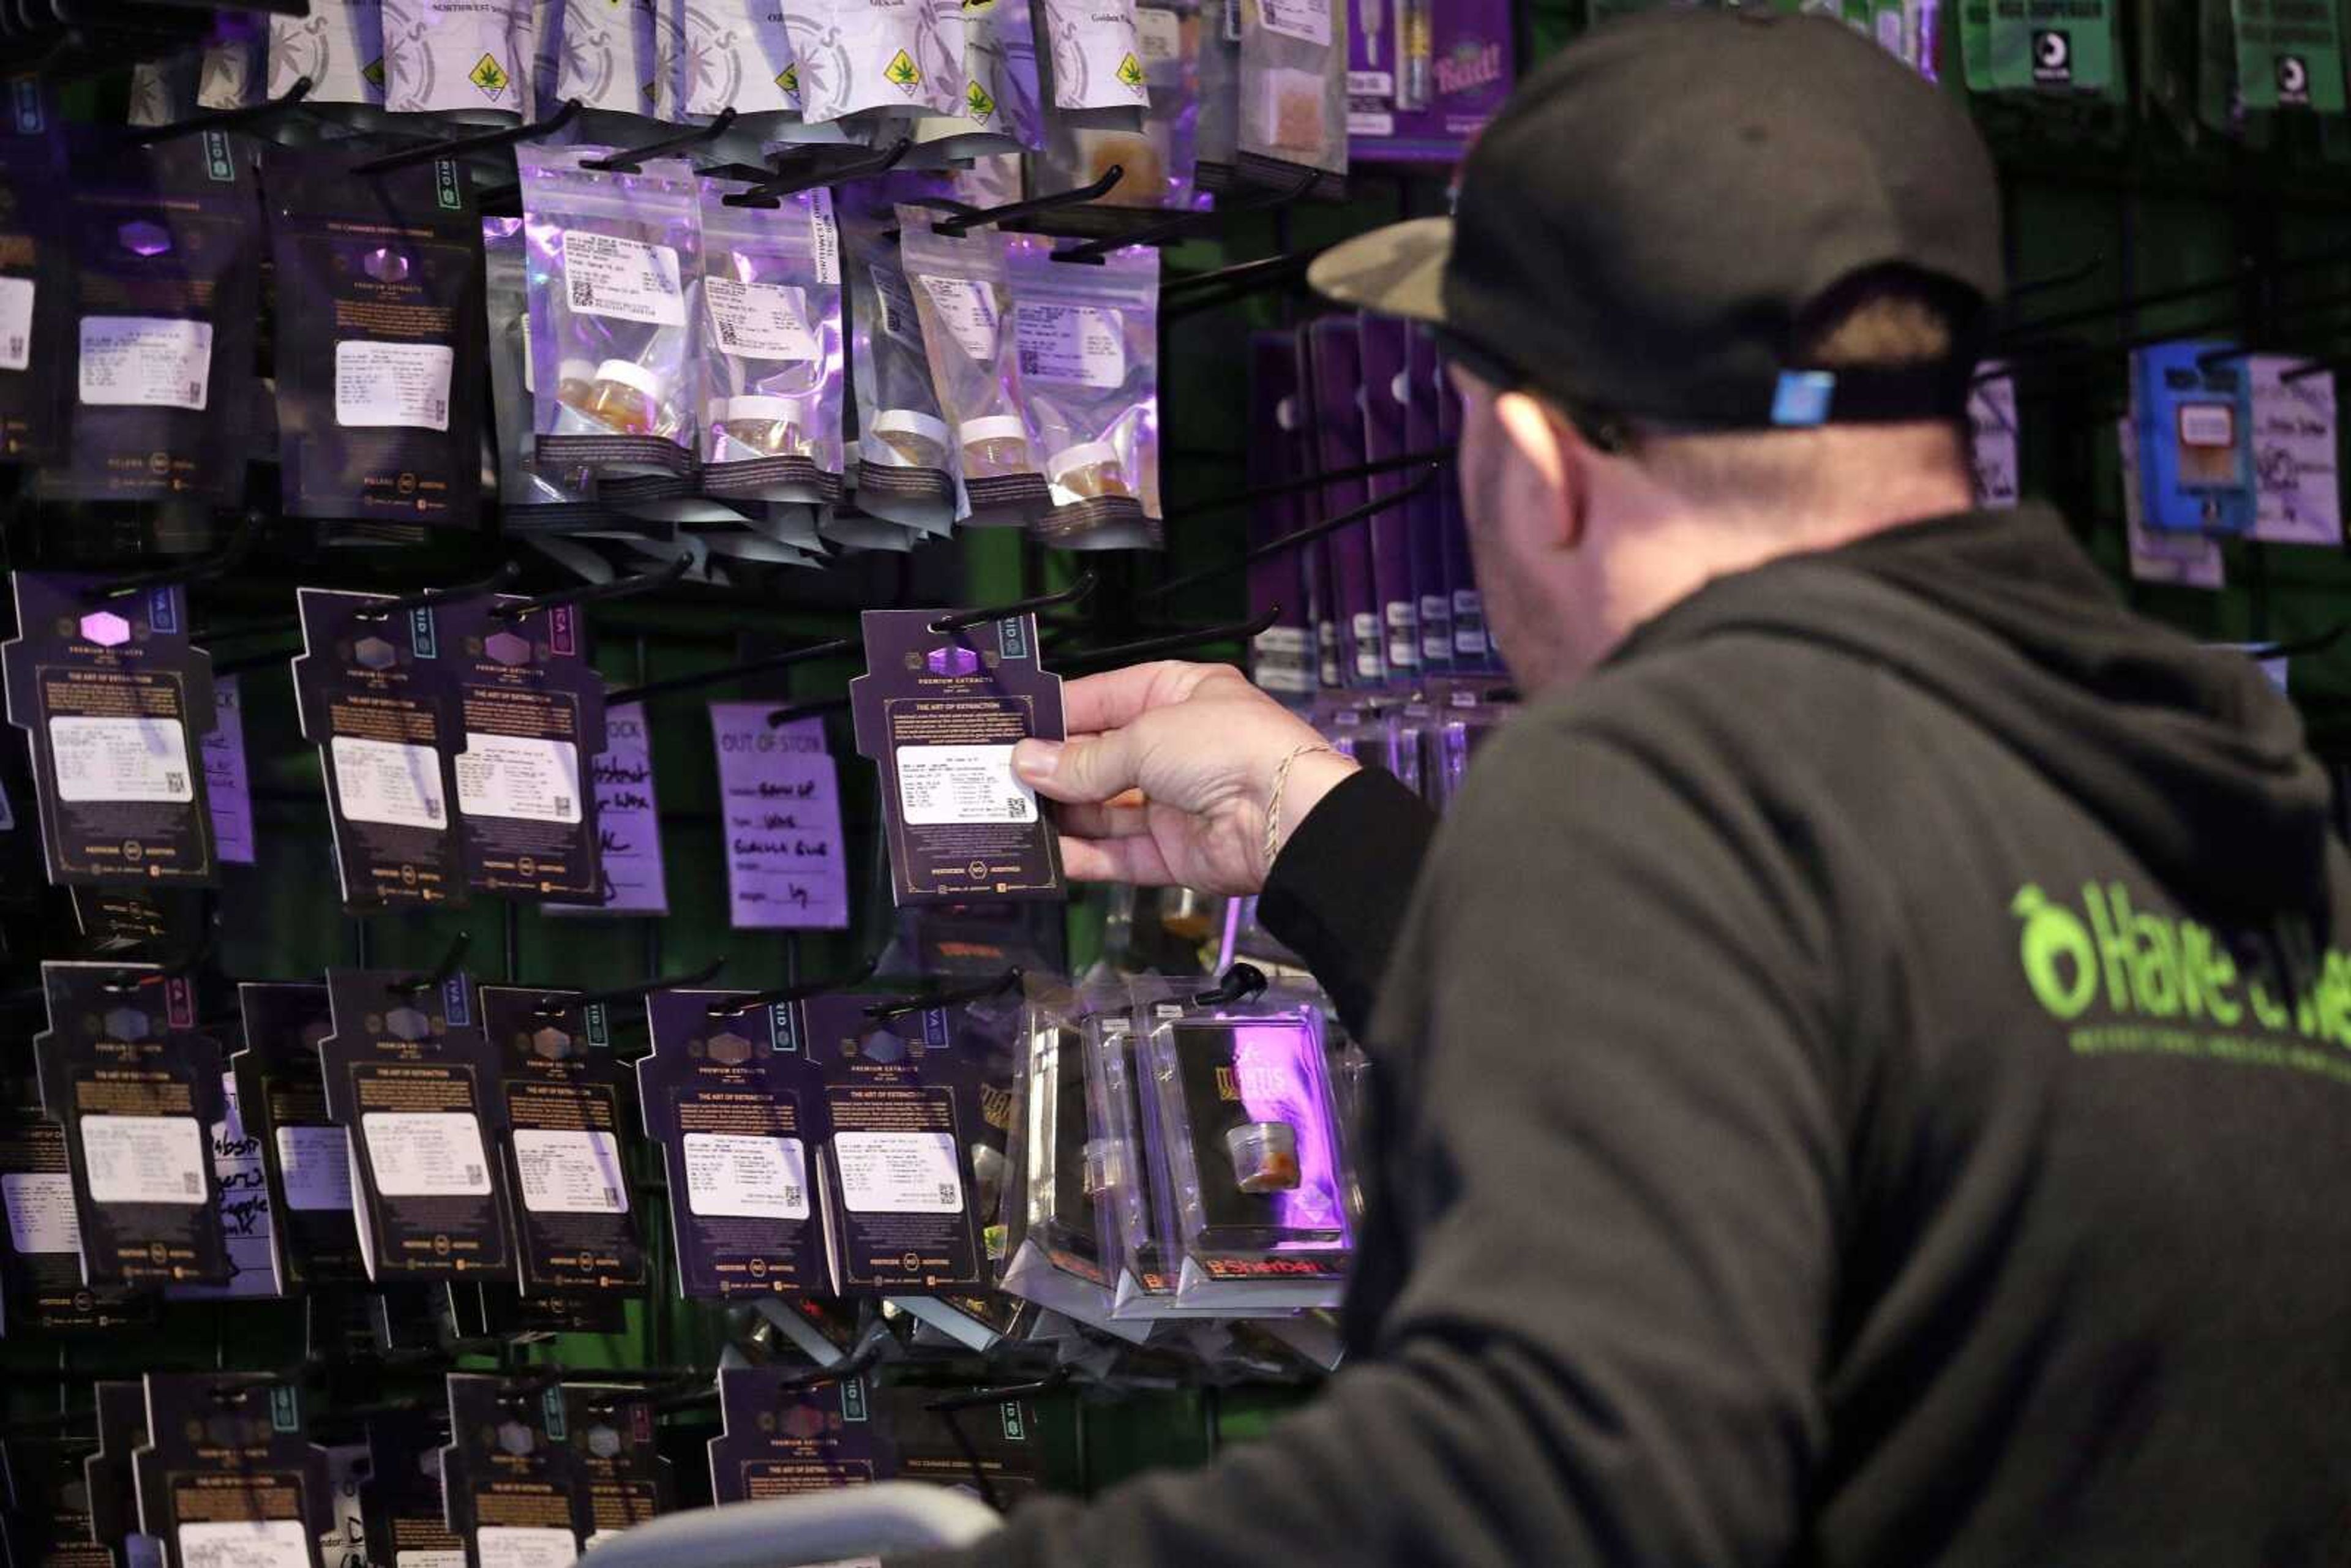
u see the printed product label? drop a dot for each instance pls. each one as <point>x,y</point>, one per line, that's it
<point>146,362</point>
<point>315,1164</point>
<point>244,1543</point>
<point>403,385</point>
<point>520,777</point>
<point>968,310</point>
<point>144,1159</point>
<point>1160,34</point>
<point>605,274</point>
<point>759,320</point>
<point>1081,345</point>
<point>515,1546</point>
<point>426,1154</point>
<point>569,1172</point>
<point>41,1213</point>
<point>16,323</point>
<point>2207,425</point>
<point>898,1173</point>
<point>759,1179</point>
<point>389,781</point>
<point>824,236</point>
<point>121,759</point>
<point>961,784</point>
<point>427,1559</point>
<point>1307,20</point>
<point>897,303</point>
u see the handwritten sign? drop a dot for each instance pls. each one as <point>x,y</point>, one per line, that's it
<point>345,1544</point>
<point>244,1210</point>
<point>628,819</point>
<point>779,797</point>
<point>1991,430</point>
<point>226,792</point>
<point>2297,500</point>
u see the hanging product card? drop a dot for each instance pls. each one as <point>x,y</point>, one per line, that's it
<point>783,1441</point>
<point>738,1113</point>
<point>226,1480</point>
<point>113,695</point>
<point>939,713</point>
<point>566,1181</point>
<point>902,56</point>
<point>772,346</point>
<point>248,1211</point>
<point>2297,499</point>
<point>400,1499</point>
<point>2194,409</point>
<point>1991,436</point>
<point>628,821</point>
<point>138,1092</point>
<point>375,698</point>
<point>412,1079</point>
<point>999,1439</point>
<point>1473,651</point>
<point>379,340</point>
<point>532,712</point>
<point>1424,78</point>
<point>110,1486</point>
<point>41,1266</point>
<point>2183,560</point>
<point>990,1037</point>
<point>2289,54</point>
<point>1335,395</point>
<point>35,343</point>
<point>1385,342</point>
<point>47,1519</point>
<point>339,46</point>
<point>904,1112</point>
<point>612,1449</point>
<point>512,1491</point>
<point>780,804</point>
<point>529,500</point>
<point>229,794</point>
<point>306,1158</point>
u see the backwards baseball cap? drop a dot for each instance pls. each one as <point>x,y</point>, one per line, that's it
<point>1642,230</point>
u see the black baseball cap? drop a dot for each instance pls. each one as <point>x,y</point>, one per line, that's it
<point>1642,229</point>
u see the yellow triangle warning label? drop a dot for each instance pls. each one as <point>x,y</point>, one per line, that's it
<point>1130,71</point>
<point>488,75</point>
<point>903,71</point>
<point>373,71</point>
<point>788,78</point>
<point>977,100</point>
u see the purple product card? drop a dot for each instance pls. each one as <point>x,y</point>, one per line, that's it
<point>1386,391</point>
<point>1471,652</point>
<point>226,792</point>
<point>1424,77</point>
<point>779,793</point>
<point>782,1441</point>
<point>1281,660</point>
<point>1334,378</point>
<point>628,820</point>
<point>1423,513</point>
<point>939,713</point>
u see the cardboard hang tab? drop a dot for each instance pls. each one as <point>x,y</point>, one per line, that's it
<point>226,1474</point>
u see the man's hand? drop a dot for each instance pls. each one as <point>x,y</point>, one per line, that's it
<point>1167,773</point>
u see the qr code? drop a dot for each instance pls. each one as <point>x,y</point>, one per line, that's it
<point>191,1183</point>
<point>173,782</point>
<point>611,1197</point>
<point>473,1175</point>
<point>432,811</point>
<point>1031,363</point>
<point>438,409</point>
<point>196,394</point>
<point>792,1198</point>
<point>727,339</point>
<point>16,348</point>
<point>947,1192</point>
<point>583,293</point>
<point>562,804</point>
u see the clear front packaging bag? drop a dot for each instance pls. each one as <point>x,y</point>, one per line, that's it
<point>964,301</point>
<point>905,471</point>
<point>1086,336</point>
<point>772,346</point>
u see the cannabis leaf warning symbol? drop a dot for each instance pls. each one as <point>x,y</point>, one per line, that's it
<point>488,75</point>
<point>788,78</point>
<point>373,71</point>
<point>902,71</point>
<point>975,100</point>
<point>1130,71</point>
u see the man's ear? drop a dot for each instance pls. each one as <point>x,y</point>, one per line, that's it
<point>1555,454</point>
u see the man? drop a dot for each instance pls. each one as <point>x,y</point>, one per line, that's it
<point>1866,1073</point>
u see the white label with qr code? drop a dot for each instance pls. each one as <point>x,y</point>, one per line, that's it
<point>942,784</point>
<point>315,1162</point>
<point>746,1177</point>
<point>16,323</point>
<point>1306,20</point>
<point>967,311</point>
<point>520,777</point>
<point>41,1212</point>
<point>388,781</point>
<point>144,1159</point>
<point>426,1154</point>
<point>399,384</point>
<point>145,362</point>
<point>121,759</point>
<point>1079,345</point>
<point>1160,34</point>
<point>759,320</point>
<point>245,1543</point>
<point>898,1173</point>
<point>605,274</point>
<point>569,1172</point>
<point>525,1546</point>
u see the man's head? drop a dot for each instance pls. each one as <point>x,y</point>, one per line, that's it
<point>1710,295</point>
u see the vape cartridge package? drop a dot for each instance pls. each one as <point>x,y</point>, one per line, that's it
<point>783,1439</point>
<point>1054,1254</point>
<point>613,1450</point>
<point>226,1474</point>
<point>306,1157</point>
<point>406,1525</point>
<point>511,1487</point>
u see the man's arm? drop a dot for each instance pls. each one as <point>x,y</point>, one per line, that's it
<point>1620,1170</point>
<point>1338,890</point>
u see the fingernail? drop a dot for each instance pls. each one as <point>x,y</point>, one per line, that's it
<point>1036,759</point>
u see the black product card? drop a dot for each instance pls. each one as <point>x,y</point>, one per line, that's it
<point>165,294</point>
<point>613,1449</point>
<point>513,1494</point>
<point>939,713</point>
<point>40,1263</point>
<point>376,697</point>
<point>567,1183</point>
<point>306,1155</point>
<point>379,340</point>
<point>498,1311</point>
<point>36,348</point>
<point>124,918</point>
<point>248,1205</point>
<point>737,1109</point>
<point>412,1079</point>
<point>399,1502</point>
<point>782,1441</point>
<point>953,1447</point>
<point>138,1090</point>
<point>1057,1217</point>
<point>902,1094</point>
<point>226,1480</point>
<point>991,1033</point>
<point>115,698</point>
<point>120,1409</point>
<point>47,1520</point>
<point>530,718</point>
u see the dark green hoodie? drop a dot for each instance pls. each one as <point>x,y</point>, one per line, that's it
<point>1865,1079</point>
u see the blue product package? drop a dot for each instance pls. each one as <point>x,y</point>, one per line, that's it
<point>2195,448</point>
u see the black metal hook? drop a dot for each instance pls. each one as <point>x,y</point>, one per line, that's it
<point>1183,225</point>
<point>458,147</point>
<point>1241,982</point>
<point>965,1399</point>
<point>220,119</point>
<point>783,995</point>
<point>1295,538</point>
<point>631,160</point>
<point>417,985</point>
<point>781,717</point>
<point>1242,632</point>
<point>855,1365</point>
<point>955,226</point>
<point>1070,595</point>
<point>1257,493</point>
<point>701,678</point>
<point>240,545</point>
<point>824,172</point>
<point>2211,358</point>
<point>179,968</point>
<point>2081,272</point>
<point>2316,643</point>
<point>434,598</point>
<point>882,1012</point>
<point>2213,284</point>
<point>591,592</point>
<point>554,1003</point>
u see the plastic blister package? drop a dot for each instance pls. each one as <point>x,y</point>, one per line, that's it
<point>772,347</point>
<point>1088,344</point>
<point>1055,1254</point>
<point>964,301</point>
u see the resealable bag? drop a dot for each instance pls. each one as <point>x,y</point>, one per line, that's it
<point>463,59</point>
<point>339,46</point>
<point>963,300</point>
<point>899,57</point>
<point>905,456</point>
<point>1293,93</point>
<point>1216,137</point>
<point>607,59</point>
<point>1088,342</point>
<point>1156,161</point>
<point>530,499</point>
<point>772,351</point>
<point>1090,63</point>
